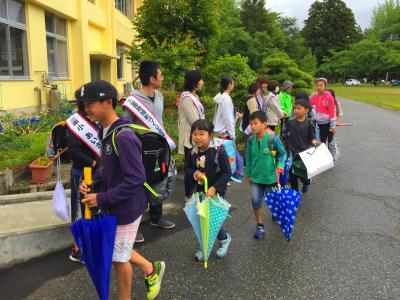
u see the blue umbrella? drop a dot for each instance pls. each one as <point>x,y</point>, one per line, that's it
<point>283,203</point>
<point>95,239</point>
<point>191,213</point>
<point>206,214</point>
<point>95,236</point>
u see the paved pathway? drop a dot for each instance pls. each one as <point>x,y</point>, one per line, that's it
<point>346,242</point>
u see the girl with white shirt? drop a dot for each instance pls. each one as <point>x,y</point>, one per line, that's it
<point>226,116</point>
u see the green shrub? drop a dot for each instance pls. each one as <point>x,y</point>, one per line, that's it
<point>234,66</point>
<point>170,98</point>
<point>17,150</point>
<point>280,66</point>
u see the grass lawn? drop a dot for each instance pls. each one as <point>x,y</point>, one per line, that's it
<point>15,151</point>
<point>386,97</point>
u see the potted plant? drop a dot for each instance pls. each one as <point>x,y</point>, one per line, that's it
<point>42,169</point>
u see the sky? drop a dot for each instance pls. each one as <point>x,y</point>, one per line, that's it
<point>362,9</point>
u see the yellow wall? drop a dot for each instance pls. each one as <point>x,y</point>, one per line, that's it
<point>92,32</point>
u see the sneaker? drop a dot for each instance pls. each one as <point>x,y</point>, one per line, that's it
<point>224,245</point>
<point>139,237</point>
<point>153,281</point>
<point>75,255</point>
<point>305,189</point>
<point>199,255</point>
<point>260,232</point>
<point>162,223</point>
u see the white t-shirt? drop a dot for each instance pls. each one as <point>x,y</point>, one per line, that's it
<point>105,131</point>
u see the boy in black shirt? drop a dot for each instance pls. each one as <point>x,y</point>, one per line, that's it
<point>300,135</point>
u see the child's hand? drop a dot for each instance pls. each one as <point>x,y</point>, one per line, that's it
<point>315,143</point>
<point>249,180</point>
<point>280,170</point>
<point>333,130</point>
<point>211,192</point>
<point>200,176</point>
<point>90,199</point>
<point>83,188</point>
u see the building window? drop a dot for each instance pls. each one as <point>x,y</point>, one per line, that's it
<point>126,7</point>
<point>13,46</point>
<point>120,61</point>
<point>57,54</point>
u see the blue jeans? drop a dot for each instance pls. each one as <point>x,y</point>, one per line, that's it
<point>259,191</point>
<point>76,179</point>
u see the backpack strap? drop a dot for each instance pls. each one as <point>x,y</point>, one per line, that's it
<point>134,128</point>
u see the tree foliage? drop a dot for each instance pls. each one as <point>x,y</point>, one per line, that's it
<point>234,66</point>
<point>280,66</point>
<point>330,26</point>
<point>385,22</point>
<point>369,58</point>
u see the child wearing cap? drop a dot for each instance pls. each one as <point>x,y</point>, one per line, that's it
<point>125,197</point>
<point>285,98</point>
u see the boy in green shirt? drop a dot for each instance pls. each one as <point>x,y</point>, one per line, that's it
<point>265,155</point>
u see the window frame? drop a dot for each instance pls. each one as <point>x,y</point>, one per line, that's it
<point>57,37</point>
<point>120,53</point>
<point>126,11</point>
<point>25,60</point>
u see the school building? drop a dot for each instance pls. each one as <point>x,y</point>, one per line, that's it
<point>49,48</point>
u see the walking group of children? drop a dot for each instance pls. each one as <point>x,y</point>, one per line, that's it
<point>122,174</point>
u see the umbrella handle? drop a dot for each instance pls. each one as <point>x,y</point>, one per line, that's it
<point>278,180</point>
<point>205,184</point>
<point>87,177</point>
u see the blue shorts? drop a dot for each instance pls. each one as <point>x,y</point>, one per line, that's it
<point>259,191</point>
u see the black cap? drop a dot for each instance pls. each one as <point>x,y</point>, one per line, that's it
<point>96,90</point>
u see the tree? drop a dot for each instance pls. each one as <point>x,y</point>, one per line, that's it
<point>280,66</point>
<point>180,34</point>
<point>330,26</point>
<point>260,22</point>
<point>369,58</point>
<point>385,22</point>
<point>296,46</point>
<point>234,66</point>
<point>175,56</point>
<point>309,63</point>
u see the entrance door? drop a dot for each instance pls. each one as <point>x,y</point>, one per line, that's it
<point>95,70</point>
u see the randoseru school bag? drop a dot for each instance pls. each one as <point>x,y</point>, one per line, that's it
<point>234,157</point>
<point>156,153</point>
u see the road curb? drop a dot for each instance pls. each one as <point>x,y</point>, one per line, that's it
<point>21,247</point>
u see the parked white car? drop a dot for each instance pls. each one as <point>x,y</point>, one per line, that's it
<point>352,82</point>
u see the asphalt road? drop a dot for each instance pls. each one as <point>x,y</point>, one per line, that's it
<point>346,241</point>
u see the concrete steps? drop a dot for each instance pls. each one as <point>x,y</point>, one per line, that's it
<point>29,228</point>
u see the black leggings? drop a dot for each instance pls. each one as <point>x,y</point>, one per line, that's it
<point>324,133</point>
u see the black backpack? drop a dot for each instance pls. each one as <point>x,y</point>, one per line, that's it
<point>60,141</point>
<point>246,113</point>
<point>156,153</point>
